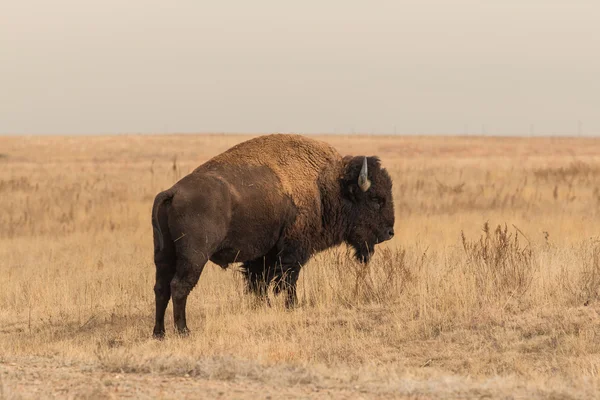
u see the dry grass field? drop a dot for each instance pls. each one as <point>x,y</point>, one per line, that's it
<point>490,288</point>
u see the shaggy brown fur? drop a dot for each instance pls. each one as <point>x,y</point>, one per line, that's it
<point>269,203</point>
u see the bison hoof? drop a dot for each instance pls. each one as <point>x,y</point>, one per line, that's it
<point>183,332</point>
<point>158,335</point>
<point>290,305</point>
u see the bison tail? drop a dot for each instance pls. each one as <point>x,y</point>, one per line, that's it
<point>159,220</point>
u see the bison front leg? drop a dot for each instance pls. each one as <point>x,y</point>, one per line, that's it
<point>291,299</point>
<point>257,277</point>
<point>286,281</point>
<point>186,277</point>
<point>292,255</point>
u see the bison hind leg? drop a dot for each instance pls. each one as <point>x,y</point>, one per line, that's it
<point>165,271</point>
<point>187,274</point>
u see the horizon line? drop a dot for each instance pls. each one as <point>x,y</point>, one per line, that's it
<point>359,133</point>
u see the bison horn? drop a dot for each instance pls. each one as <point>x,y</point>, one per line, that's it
<point>363,180</point>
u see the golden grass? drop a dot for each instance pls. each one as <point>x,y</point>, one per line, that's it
<point>490,287</point>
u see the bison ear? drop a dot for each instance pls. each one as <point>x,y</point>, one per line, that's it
<point>353,192</point>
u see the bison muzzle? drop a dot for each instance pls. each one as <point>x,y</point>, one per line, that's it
<point>269,203</point>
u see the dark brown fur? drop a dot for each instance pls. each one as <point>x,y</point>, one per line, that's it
<point>269,203</point>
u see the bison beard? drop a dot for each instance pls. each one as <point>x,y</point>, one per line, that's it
<point>363,253</point>
<point>271,212</point>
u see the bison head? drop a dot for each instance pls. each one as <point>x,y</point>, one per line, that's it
<point>367,189</point>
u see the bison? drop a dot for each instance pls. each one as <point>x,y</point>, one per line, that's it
<point>269,203</point>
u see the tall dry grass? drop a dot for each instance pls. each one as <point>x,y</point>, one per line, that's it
<point>494,272</point>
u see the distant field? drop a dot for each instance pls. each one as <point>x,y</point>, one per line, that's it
<point>490,288</point>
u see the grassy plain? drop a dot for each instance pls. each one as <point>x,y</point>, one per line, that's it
<point>491,287</point>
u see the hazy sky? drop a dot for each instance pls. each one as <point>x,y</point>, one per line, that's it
<point>413,67</point>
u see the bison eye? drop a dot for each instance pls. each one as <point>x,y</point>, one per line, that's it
<point>376,202</point>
